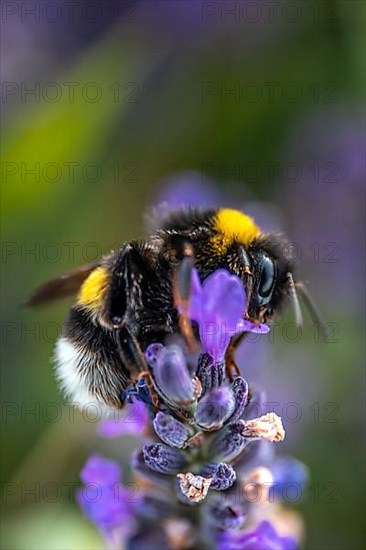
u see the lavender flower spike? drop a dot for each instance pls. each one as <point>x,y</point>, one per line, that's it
<point>205,442</point>
<point>218,306</point>
<point>105,501</point>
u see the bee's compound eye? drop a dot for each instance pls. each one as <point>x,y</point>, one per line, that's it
<point>267,279</point>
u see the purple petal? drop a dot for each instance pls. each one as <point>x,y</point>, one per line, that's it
<point>224,298</point>
<point>252,327</point>
<point>196,301</point>
<point>263,538</point>
<point>288,543</point>
<point>214,340</point>
<point>133,422</point>
<point>266,529</point>
<point>101,471</point>
<point>218,306</point>
<point>107,507</point>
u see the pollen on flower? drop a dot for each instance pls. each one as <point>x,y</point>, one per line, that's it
<point>194,487</point>
<point>268,427</point>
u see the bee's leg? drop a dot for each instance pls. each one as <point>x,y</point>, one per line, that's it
<point>142,367</point>
<point>131,354</point>
<point>182,293</point>
<point>132,268</point>
<point>146,375</point>
<point>232,369</point>
<point>129,350</point>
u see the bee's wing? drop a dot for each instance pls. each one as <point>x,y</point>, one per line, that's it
<point>61,287</point>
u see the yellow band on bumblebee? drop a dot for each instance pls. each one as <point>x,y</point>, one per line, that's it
<point>93,290</point>
<point>233,226</point>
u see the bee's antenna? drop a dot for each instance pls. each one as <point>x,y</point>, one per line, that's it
<point>311,307</point>
<point>295,301</point>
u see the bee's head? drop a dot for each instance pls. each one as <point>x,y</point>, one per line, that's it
<point>268,286</point>
<point>261,260</point>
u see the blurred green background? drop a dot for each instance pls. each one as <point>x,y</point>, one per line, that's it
<point>112,107</point>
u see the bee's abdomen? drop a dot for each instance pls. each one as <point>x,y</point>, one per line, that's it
<point>88,365</point>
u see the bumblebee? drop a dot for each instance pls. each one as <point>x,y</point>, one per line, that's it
<point>131,297</point>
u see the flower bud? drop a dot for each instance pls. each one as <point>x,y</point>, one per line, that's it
<point>240,391</point>
<point>170,430</point>
<point>210,374</point>
<point>228,443</point>
<point>226,514</point>
<point>163,459</point>
<point>223,475</point>
<point>154,353</point>
<point>171,375</point>
<point>215,408</point>
<point>140,467</point>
